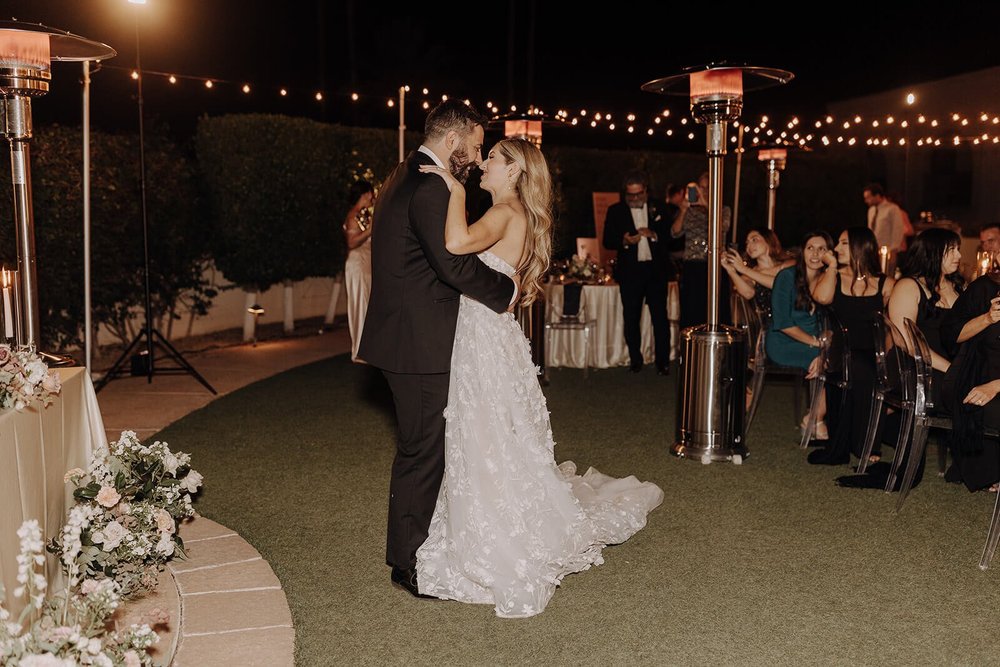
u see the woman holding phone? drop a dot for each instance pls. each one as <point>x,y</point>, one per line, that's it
<point>692,223</point>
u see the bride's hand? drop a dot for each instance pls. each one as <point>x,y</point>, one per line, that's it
<point>449,180</point>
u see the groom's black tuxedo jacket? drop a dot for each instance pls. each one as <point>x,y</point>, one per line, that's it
<point>416,282</point>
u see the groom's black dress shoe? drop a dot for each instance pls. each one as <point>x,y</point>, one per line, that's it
<point>634,368</point>
<point>407,580</point>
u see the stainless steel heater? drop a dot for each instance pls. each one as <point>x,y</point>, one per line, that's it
<point>26,53</point>
<point>713,355</point>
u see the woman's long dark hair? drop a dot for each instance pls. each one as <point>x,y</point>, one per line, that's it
<point>358,188</point>
<point>864,253</point>
<point>923,260</point>
<point>774,250</point>
<point>803,297</point>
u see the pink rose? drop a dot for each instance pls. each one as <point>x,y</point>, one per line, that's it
<point>165,522</point>
<point>108,496</point>
<point>132,659</point>
<point>4,354</point>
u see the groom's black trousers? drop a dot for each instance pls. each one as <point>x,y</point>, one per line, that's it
<point>419,465</point>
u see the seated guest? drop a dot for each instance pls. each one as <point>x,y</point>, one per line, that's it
<point>855,290</point>
<point>792,337</point>
<point>754,278</point>
<point>971,329</point>
<point>929,287</point>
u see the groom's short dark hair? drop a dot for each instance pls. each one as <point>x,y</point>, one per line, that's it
<point>452,115</point>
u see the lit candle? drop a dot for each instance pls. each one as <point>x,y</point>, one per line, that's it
<point>8,318</point>
<point>884,252</point>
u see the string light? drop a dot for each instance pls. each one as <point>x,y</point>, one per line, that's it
<point>660,120</point>
<point>691,135</point>
<point>911,98</point>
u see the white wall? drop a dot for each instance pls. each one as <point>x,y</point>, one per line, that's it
<point>312,296</point>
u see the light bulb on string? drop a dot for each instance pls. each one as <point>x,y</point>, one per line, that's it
<point>611,126</point>
<point>921,119</point>
<point>208,83</point>
<point>670,133</point>
<point>829,120</point>
<point>684,121</point>
<point>904,124</point>
<point>630,117</point>
<point>874,123</point>
<point>135,75</point>
<point>597,117</point>
<point>593,123</point>
<point>246,88</point>
<point>691,135</point>
<point>172,79</point>
<point>934,123</point>
<point>857,119</point>
<point>955,117</point>
<point>573,122</point>
<point>406,88</point>
<point>890,120</point>
<point>426,104</point>
<point>657,120</point>
<point>583,112</point>
<point>426,92</point>
<point>319,97</point>
<point>649,132</point>
<point>391,102</point>
<point>666,113</point>
<point>847,125</point>
<point>852,141</point>
<point>965,121</point>
<point>283,92</point>
<point>354,97</point>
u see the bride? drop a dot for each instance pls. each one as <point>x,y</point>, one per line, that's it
<point>509,524</point>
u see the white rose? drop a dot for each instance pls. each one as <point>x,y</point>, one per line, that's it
<point>171,463</point>
<point>132,659</point>
<point>94,647</point>
<point>35,371</point>
<point>166,544</point>
<point>192,481</point>
<point>114,533</point>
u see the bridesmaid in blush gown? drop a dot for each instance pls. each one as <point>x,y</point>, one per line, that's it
<point>358,268</point>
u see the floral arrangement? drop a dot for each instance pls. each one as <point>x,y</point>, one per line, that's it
<point>70,628</point>
<point>579,268</point>
<point>24,377</point>
<point>130,501</point>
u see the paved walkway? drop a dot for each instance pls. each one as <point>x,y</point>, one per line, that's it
<point>225,603</point>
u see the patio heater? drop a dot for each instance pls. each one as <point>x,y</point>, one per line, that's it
<point>774,159</point>
<point>713,355</point>
<point>26,53</point>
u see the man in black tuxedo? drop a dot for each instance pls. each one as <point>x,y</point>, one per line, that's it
<point>639,229</point>
<point>410,325</point>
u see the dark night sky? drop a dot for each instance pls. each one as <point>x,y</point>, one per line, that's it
<point>461,49</point>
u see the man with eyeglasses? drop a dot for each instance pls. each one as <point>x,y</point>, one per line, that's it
<point>634,228</point>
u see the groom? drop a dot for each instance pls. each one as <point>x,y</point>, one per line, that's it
<point>410,326</point>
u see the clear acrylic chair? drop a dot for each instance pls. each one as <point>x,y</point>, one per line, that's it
<point>924,418</point>
<point>835,367</point>
<point>902,353</point>
<point>563,319</point>
<point>755,324</point>
<point>893,382</point>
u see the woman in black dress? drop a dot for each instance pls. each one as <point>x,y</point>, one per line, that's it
<point>855,291</point>
<point>930,286</point>
<point>971,329</point>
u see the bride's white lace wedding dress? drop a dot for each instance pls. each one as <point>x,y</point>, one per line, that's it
<point>509,523</point>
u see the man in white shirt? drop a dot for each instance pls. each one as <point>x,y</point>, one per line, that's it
<point>886,220</point>
<point>638,229</point>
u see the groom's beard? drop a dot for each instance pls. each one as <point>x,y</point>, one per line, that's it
<point>460,165</point>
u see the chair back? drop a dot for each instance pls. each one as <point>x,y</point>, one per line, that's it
<point>901,363</point>
<point>922,367</point>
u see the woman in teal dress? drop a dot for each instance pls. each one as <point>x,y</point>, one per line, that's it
<point>792,339</point>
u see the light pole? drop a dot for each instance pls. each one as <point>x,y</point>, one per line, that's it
<point>713,355</point>
<point>149,334</point>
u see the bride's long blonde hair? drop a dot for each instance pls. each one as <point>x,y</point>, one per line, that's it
<point>534,188</point>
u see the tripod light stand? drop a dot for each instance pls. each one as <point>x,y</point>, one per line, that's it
<point>149,336</point>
